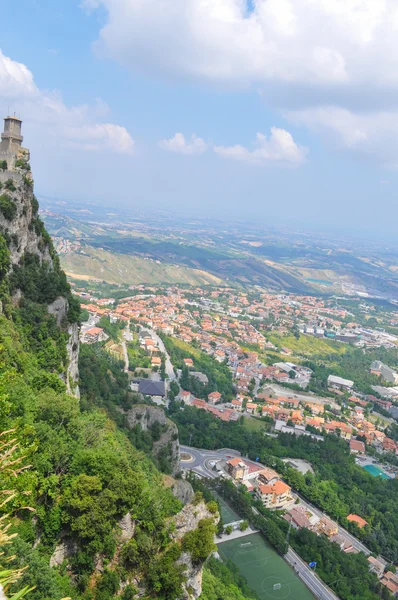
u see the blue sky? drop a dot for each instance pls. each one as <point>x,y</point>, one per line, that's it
<point>112,91</point>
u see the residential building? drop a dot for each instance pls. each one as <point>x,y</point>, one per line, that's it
<point>93,335</point>
<point>237,468</point>
<point>390,580</point>
<point>214,397</point>
<point>357,447</point>
<point>358,520</point>
<point>274,496</point>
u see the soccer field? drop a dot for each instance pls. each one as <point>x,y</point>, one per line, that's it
<point>266,572</point>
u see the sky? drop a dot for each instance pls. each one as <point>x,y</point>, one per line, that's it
<point>265,110</point>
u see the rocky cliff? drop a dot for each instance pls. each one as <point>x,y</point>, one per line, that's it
<point>186,521</point>
<point>31,259</point>
<point>164,432</point>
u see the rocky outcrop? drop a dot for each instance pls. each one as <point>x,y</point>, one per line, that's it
<point>188,520</point>
<point>72,372</point>
<point>183,490</point>
<point>146,417</point>
<point>63,550</point>
<point>127,528</point>
<point>25,235</point>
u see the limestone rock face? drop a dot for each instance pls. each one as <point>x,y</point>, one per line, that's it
<point>194,574</point>
<point>23,237</point>
<point>127,526</point>
<point>146,417</point>
<point>64,549</point>
<point>183,491</point>
<point>72,348</point>
<point>188,520</point>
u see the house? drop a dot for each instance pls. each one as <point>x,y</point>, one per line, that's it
<point>251,407</point>
<point>214,397</point>
<point>327,527</point>
<point>237,468</point>
<point>344,544</point>
<point>275,496</point>
<point>389,445</point>
<point>186,397</point>
<point>357,447</point>
<point>93,335</point>
<point>377,566</point>
<point>156,361</point>
<point>339,382</point>
<point>188,362</point>
<point>267,476</point>
<point>155,389</point>
<point>298,518</point>
<point>237,404</point>
<point>358,520</point>
<point>390,580</point>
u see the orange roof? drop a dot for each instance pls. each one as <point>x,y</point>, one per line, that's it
<point>265,489</point>
<point>358,520</point>
<point>280,487</point>
<point>234,462</point>
<point>94,331</point>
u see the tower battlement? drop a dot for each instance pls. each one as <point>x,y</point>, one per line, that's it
<point>11,142</point>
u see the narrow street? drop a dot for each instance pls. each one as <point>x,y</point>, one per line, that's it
<point>169,367</point>
<point>126,336</point>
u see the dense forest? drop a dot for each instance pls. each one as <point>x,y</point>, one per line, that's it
<point>339,486</point>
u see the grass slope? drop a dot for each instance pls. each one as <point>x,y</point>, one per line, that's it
<point>122,268</point>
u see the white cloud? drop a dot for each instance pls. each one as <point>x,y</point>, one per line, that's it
<point>15,79</point>
<point>303,55</point>
<point>326,43</point>
<point>180,145</point>
<point>279,147</point>
<point>55,122</point>
<point>370,134</point>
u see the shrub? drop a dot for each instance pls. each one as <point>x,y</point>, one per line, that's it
<point>3,165</point>
<point>9,185</point>
<point>8,207</point>
<point>200,541</point>
<point>21,163</point>
<point>35,205</point>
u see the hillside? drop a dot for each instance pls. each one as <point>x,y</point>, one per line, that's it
<point>87,514</point>
<point>97,263</point>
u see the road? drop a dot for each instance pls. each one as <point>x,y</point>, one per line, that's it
<point>126,336</point>
<point>352,539</point>
<point>201,458</point>
<point>312,581</point>
<point>168,365</point>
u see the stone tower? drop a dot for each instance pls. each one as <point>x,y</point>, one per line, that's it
<point>11,142</point>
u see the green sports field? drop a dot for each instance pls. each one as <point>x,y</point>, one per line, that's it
<point>263,568</point>
<point>227,513</point>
